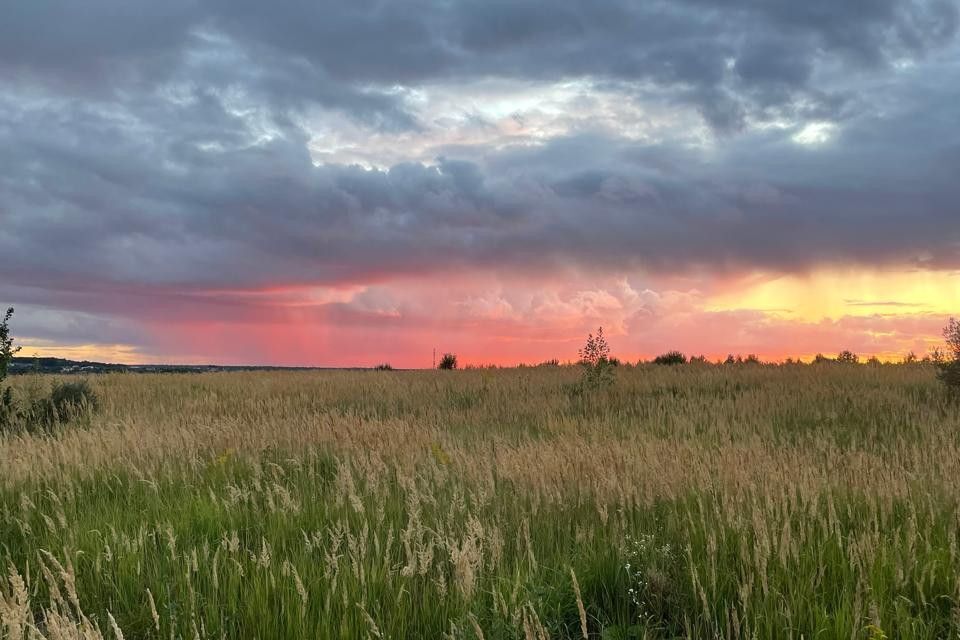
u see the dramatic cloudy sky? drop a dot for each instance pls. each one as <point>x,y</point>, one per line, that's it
<point>326,183</point>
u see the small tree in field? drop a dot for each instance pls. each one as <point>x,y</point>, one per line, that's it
<point>848,357</point>
<point>448,362</point>
<point>7,351</point>
<point>595,359</point>
<point>949,362</point>
<point>951,334</point>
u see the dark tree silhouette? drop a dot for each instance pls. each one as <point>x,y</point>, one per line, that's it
<point>848,357</point>
<point>949,362</point>
<point>7,351</point>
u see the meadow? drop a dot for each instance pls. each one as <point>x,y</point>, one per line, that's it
<point>799,501</point>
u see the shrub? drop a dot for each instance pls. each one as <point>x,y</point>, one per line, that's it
<point>949,375</point>
<point>670,357</point>
<point>68,402</point>
<point>848,357</point>
<point>821,359</point>
<point>448,362</point>
<point>595,359</point>
<point>383,366</point>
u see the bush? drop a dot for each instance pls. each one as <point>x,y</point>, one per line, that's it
<point>448,362</point>
<point>949,375</point>
<point>670,357</point>
<point>383,366</point>
<point>67,402</point>
<point>848,357</point>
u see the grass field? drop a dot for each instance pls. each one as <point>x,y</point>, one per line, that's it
<point>692,501</point>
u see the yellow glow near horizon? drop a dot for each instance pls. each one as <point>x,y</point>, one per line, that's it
<point>112,353</point>
<point>835,294</point>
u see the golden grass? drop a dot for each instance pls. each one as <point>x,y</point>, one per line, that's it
<point>695,501</point>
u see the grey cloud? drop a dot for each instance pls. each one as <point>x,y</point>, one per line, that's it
<point>163,151</point>
<point>353,56</point>
<point>89,200</point>
<point>73,326</point>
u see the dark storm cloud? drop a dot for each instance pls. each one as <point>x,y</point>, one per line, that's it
<point>730,59</point>
<point>165,146</point>
<point>774,47</point>
<point>90,198</point>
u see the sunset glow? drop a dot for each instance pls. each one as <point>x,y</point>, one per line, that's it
<point>490,319</point>
<point>836,294</point>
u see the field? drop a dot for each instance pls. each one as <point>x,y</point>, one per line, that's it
<point>688,501</point>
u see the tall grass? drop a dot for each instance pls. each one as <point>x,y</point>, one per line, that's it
<point>731,502</point>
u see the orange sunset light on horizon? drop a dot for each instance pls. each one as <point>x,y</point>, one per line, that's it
<point>883,314</point>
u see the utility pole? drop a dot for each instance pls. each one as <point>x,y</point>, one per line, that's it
<point>434,365</point>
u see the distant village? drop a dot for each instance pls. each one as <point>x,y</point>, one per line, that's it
<point>27,365</point>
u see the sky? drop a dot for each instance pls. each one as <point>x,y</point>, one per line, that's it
<point>349,183</point>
